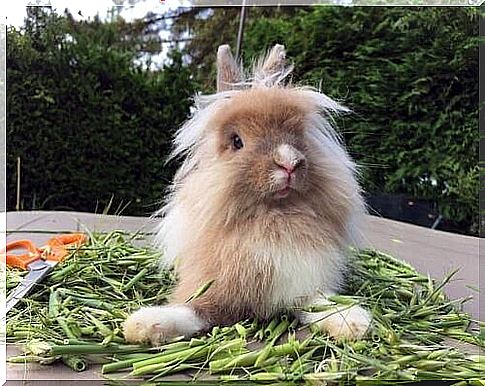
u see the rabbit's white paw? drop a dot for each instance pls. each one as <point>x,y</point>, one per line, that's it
<point>341,323</point>
<point>157,324</point>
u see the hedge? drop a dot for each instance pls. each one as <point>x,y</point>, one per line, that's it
<point>89,125</point>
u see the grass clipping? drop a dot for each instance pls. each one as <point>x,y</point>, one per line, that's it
<point>75,315</point>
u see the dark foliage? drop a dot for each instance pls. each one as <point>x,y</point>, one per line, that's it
<point>87,123</point>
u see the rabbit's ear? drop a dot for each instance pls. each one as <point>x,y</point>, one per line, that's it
<point>275,61</point>
<point>272,65</point>
<point>228,71</point>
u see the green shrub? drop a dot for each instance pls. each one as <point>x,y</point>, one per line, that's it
<point>86,122</point>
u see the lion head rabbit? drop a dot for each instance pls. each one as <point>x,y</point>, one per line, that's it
<point>265,205</point>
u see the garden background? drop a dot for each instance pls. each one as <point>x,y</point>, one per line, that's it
<point>90,115</point>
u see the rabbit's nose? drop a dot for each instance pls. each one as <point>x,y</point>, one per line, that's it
<point>288,158</point>
<point>290,167</point>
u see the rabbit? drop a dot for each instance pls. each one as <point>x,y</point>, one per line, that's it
<point>266,204</point>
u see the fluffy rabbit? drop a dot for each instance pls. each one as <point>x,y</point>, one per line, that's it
<point>266,204</point>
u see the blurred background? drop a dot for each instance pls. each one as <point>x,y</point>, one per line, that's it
<point>94,97</point>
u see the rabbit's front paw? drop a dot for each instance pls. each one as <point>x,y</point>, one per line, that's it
<point>348,324</point>
<point>155,325</point>
<point>340,322</point>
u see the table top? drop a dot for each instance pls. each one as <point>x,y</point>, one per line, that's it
<point>431,252</point>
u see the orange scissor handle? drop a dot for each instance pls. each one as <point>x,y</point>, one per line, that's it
<point>55,250</point>
<point>21,261</point>
<point>57,246</point>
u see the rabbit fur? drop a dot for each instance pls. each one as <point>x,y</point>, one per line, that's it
<point>266,204</point>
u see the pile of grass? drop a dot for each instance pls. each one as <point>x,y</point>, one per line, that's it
<point>75,316</point>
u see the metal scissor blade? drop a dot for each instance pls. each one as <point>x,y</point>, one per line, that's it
<point>37,271</point>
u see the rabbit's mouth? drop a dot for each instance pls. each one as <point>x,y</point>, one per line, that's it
<point>282,193</point>
<point>286,183</point>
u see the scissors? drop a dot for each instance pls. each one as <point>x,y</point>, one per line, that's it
<point>38,261</point>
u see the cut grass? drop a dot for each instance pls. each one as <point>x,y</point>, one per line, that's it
<point>75,316</point>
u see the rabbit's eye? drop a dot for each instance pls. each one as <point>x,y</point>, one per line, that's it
<point>237,142</point>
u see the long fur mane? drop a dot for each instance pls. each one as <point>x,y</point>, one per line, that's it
<point>191,135</point>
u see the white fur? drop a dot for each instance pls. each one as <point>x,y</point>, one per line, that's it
<point>172,233</point>
<point>288,155</point>
<point>342,322</point>
<point>156,324</point>
<point>299,272</point>
<point>328,142</point>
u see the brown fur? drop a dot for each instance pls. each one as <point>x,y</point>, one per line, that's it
<point>227,221</point>
<point>221,251</point>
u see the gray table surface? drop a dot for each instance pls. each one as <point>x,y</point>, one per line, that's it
<point>430,251</point>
